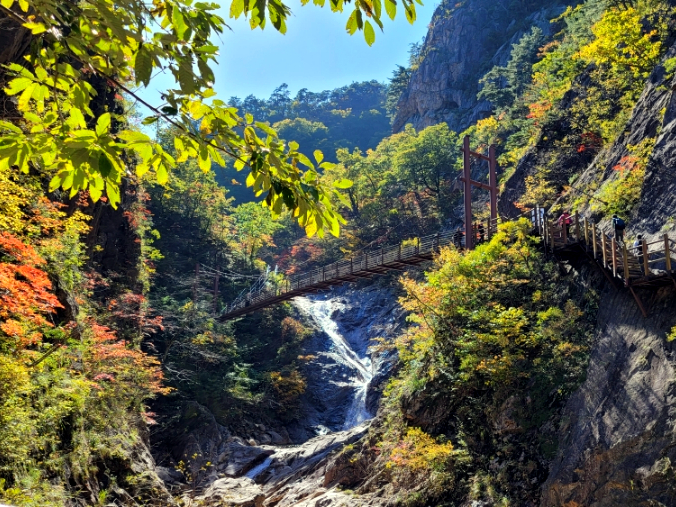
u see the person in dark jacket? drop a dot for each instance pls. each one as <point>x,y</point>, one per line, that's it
<point>619,226</point>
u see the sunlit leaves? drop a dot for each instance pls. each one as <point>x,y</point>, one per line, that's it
<point>622,42</point>
<point>123,42</point>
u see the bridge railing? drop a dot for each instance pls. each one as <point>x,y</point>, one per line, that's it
<point>373,260</point>
<point>627,262</point>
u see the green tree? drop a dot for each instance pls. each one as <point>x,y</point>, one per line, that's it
<point>502,85</point>
<point>254,228</point>
<point>72,131</point>
<point>427,160</point>
<point>624,44</point>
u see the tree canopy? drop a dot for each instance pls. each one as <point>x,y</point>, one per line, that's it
<point>84,55</point>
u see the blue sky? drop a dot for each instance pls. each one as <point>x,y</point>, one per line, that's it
<point>316,53</point>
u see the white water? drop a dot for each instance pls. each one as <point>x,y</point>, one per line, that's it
<point>251,474</point>
<point>321,311</point>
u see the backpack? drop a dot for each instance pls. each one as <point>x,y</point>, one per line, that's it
<point>619,224</point>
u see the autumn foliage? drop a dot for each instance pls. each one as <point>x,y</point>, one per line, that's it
<point>25,291</point>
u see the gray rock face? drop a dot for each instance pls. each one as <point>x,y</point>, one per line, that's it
<point>230,492</point>
<point>444,87</point>
<point>292,476</point>
<point>618,444</point>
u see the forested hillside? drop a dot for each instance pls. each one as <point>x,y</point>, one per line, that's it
<point>350,117</point>
<point>508,375</point>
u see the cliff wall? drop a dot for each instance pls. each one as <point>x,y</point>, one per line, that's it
<point>464,41</point>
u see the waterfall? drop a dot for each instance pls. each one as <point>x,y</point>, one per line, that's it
<point>321,312</point>
<point>251,474</point>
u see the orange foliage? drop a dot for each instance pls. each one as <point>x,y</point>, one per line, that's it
<point>24,288</point>
<point>111,359</point>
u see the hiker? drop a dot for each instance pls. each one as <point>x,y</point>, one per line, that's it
<point>637,247</point>
<point>565,220</point>
<point>619,226</point>
<point>482,232</point>
<point>538,221</point>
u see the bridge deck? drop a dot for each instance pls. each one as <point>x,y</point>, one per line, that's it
<point>375,262</point>
<point>648,266</point>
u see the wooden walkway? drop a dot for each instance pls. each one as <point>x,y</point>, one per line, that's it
<point>647,266</point>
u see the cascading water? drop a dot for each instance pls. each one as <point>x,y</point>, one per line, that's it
<point>321,312</point>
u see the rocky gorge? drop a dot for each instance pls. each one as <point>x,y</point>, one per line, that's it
<point>295,464</point>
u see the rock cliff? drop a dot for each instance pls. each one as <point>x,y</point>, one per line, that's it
<point>464,41</point>
<point>617,445</point>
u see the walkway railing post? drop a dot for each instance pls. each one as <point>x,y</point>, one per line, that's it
<point>467,173</point>
<point>366,260</point>
<point>667,253</point>
<point>625,261</point>
<point>577,227</point>
<point>552,241</point>
<point>605,254</point>
<point>594,241</point>
<point>493,180</point>
<point>646,265</point>
<point>564,232</point>
<point>614,256</point>
<point>586,234</point>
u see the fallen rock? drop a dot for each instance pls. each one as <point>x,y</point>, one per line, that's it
<point>238,459</point>
<point>229,492</point>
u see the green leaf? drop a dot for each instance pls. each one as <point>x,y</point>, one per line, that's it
<point>369,33</point>
<point>35,28</point>
<point>186,78</point>
<point>410,12</point>
<point>149,120</point>
<point>113,193</point>
<point>311,227</point>
<point>77,118</point>
<point>203,160</point>
<point>17,85</point>
<point>95,193</point>
<point>7,4</point>
<point>236,8</point>
<point>178,21</point>
<point>343,184</point>
<point>103,124</point>
<point>161,174</point>
<point>143,66</point>
<point>304,160</point>
<point>266,128</point>
<point>352,25</point>
<point>391,8</point>
<point>105,165</point>
<point>56,181</point>
<point>319,156</point>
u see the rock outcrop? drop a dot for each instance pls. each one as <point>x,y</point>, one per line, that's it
<point>618,444</point>
<point>464,41</point>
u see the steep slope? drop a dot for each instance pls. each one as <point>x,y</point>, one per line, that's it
<point>618,444</point>
<point>464,41</point>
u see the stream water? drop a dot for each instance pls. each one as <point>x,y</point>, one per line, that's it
<point>321,311</point>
